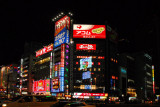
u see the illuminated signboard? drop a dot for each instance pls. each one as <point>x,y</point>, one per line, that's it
<point>86,75</point>
<point>89,94</point>
<point>123,70</point>
<point>153,79</point>
<point>61,37</point>
<point>62,23</point>
<point>46,49</point>
<point>41,85</point>
<point>86,63</point>
<point>89,31</point>
<point>85,46</point>
<point>55,83</point>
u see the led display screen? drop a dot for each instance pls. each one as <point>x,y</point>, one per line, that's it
<point>61,37</point>
<point>89,31</point>
<point>85,46</point>
<point>86,75</point>
<point>86,63</point>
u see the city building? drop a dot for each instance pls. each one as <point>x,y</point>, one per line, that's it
<point>26,66</point>
<point>143,76</point>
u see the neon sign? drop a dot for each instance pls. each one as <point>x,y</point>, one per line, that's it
<point>86,63</point>
<point>85,46</point>
<point>89,31</point>
<point>46,49</point>
<point>153,79</point>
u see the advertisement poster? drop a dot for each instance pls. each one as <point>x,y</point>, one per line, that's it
<point>61,37</point>
<point>89,31</point>
<point>55,83</point>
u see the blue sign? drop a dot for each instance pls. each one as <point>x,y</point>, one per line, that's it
<point>123,70</point>
<point>61,37</point>
<point>86,75</point>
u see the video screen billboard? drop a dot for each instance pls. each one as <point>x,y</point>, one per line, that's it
<point>86,75</point>
<point>89,31</point>
<point>86,63</point>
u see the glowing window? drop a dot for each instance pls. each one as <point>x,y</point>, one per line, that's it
<point>94,69</point>
<point>99,63</point>
<point>99,69</point>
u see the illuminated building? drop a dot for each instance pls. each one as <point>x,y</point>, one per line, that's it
<point>42,70</point>
<point>8,81</point>
<point>88,61</point>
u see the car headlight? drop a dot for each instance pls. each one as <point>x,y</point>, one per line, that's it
<point>4,105</point>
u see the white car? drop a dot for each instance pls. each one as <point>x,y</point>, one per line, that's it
<point>33,101</point>
<point>78,104</point>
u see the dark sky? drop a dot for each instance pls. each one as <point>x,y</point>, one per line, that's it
<point>24,21</point>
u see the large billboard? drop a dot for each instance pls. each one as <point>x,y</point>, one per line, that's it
<point>89,31</point>
<point>86,63</point>
<point>62,23</point>
<point>41,85</point>
<point>62,31</point>
<point>85,46</point>
<point>61,37</point>
<point>46,49</point>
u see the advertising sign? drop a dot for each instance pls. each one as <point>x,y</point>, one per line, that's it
<point>89,31</point>
<point>61,37</point>
<point>86,63</point>
<point>41,85</point>
<point>55,83</point>
<point>85,46</point>
<point>89,94</point>
<point>62,23</point>
<point>86,75</point>
<point>46,49</point>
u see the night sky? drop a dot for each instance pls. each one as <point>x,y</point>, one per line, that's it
<point>25,21</point>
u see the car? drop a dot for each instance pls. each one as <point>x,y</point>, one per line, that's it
<point>78,104</point>
<point>32,101</point>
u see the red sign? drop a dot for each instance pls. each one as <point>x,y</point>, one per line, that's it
<point>44,50</point>
<point>62,54</point>
<point>89,31</point>
<point>55,83</point>
<point>85,46</point>
<point>60,24</point>
<point>89,94</point>
<point>41,85</point>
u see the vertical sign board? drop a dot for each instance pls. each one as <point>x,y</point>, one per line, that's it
<point>153,79</point>
<point>62,31</point>
<point>62,68</point>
